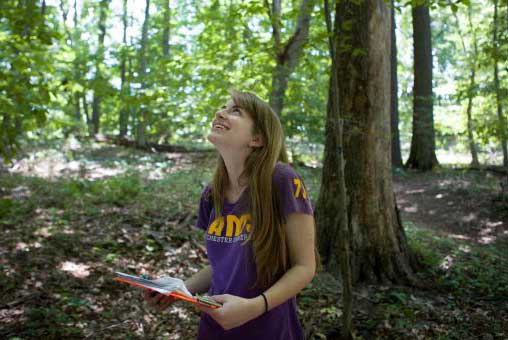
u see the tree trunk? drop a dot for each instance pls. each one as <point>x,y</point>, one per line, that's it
<point>331,213</point>
<point>76,36</point>
<point>287,55</point>
<point>166,29</point>
<point>394,99</point>
<point>97,96</point>
<point>141,139</point>
<point>422,155</point>
<point>123,110</point>
<point>471,57</point>
<point>87,115</point>
<point>379,249</point>
<point>471,92</point>
<point>497,88</point>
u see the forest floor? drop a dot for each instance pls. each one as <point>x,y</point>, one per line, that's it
<point>73,214</point>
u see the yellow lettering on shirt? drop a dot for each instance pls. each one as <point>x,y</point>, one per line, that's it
<point>299,188</point>
<point>216,226</point>
<point>245,220</point>
<point>233,224</point>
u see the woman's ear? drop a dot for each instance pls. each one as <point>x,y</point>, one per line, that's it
<point>256,142</point>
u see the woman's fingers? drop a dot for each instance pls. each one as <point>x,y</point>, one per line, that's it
<point>158,301</point>
<point>165,302</point>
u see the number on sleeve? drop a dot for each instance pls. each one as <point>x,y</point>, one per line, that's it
<point>299,188</point>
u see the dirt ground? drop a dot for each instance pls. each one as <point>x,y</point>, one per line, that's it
<point>469,205</point>
<point>56,262</point>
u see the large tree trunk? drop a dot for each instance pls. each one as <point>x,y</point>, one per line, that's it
<point>141,139</point>
<point>287,54</point>
<point>422,155</point>
<point>394,99</point>
<point>380,252</point>
<point>497,88</point>
<point>97,96</point>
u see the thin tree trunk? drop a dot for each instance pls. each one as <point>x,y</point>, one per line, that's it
<point>422,154</point>
<point>471,92</point>
<point>471,57</point>
<point>287,55</point>
<point>141,139</point>
<point>123,111</point>
<point>331,213</point>
<point>394,99</point>
<point>97,96</point>
<point>166,29</point>
<point>77,35</point>
<point>497,88</point>
<point>87,115</point>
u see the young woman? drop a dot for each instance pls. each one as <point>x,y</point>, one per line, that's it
<point>259,229</point>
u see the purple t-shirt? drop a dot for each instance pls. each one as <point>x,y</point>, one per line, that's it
<point>233,267</point>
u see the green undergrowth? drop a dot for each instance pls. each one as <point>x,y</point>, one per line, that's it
<point>464,291</point>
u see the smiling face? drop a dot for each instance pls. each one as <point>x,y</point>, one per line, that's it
<point>233,129</point>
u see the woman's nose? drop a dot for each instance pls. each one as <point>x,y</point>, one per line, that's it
<point>220,113</point>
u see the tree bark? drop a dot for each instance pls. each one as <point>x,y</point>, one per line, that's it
<point>471,92</point>
<point>97,96</point>
<point>287,55</point>
<point>422,155</point>
<point>123,111</point>
<point>332,218</point>
<point>497,88</point>
<point>379,249</point>
<point>471,57</point>
<point>76,36</point>
<point>166,29</point>
<point>394,99</point>
<point>141,139</point>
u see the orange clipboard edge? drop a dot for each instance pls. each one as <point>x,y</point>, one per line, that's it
<point>195,301</point>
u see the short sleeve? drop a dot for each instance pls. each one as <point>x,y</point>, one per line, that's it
<point>292,194</point>
<point>205,208</point>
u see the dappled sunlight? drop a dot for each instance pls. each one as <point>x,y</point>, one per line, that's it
<point>100,162</point>
<point>77,270</point>
<point>19,192</point>
<point>458,236</point>
<point>446,263</point>
<point>22,246</point>
<point>469,217</point>
<point>411,209</point>
<point>415,191</point>
<point>465,248</point>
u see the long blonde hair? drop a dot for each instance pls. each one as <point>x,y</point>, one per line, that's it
<point>267,233</point>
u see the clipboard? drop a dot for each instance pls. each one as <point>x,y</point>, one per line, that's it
<point>153,286</point>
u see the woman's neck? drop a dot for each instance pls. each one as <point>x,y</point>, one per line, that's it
<point>235,166</point>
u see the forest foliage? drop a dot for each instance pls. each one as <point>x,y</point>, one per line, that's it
<point>57,76</point>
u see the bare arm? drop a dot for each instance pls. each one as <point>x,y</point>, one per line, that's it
<point>300,236</point>
<point>199,283</point>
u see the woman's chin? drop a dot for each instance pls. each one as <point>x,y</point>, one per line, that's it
<point>213,138</point>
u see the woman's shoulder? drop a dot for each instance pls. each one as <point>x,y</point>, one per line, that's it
<point>283,171</point>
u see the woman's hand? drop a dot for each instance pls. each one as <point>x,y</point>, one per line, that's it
<point>158,301</point>
<point>235,310</point>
